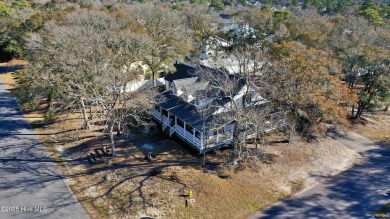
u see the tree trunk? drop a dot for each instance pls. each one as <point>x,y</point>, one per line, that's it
<point>351,82</point>
<point>90,113</point>
<point>204,159</point>
<point>363,105</point>
<point>359,111</point>
<point>50,100</point>
<point>154,79</point>
<point>118,129</point>
<point>236,142</point>
<point>257,137</point>
<point>85,116</point>
<point>352,77</point>
<point>353,110</point>
<point>111,133</point>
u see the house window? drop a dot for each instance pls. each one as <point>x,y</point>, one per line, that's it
<point>189,128</point>
<point>165,112</point>
<point>172,121</point>
<point>180,122</point>
<point>197,134</point>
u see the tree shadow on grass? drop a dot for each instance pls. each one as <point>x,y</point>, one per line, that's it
<point>7,69</point>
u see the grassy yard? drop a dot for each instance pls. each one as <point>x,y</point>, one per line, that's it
<point>128,186</point>
<point>375,126</point>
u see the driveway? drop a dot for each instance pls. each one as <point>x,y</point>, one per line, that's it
<point>355,193</point>
<point>31,185</point>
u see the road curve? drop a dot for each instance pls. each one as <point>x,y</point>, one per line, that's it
<point>355,193</point>
<point>31,185</point>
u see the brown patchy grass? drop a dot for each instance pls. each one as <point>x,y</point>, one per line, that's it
<point>8,80</point>
<point>6,77</point>
<point>129,186</point>
<point>375,127</point>
<point>15,62</point>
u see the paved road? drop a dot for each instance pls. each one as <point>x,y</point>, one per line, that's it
<point>29,179</point>
<point>355,193</point>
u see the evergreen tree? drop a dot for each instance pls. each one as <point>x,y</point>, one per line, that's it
<point>217,5</point>
<point>342,6</point>
<point>372,16</point>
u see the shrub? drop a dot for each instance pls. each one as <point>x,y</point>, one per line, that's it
<point>49,116</point>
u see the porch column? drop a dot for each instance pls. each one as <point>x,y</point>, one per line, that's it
<point>184,128</point>
<point>193,135</point>
<point>175,122</point>
<point>201,139</point>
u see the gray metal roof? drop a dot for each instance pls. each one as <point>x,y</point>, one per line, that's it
<point>190,89</point>
<point>181,83</point>
<point>187,112</point>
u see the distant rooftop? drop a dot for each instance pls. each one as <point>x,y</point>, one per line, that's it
<point>224,16</point>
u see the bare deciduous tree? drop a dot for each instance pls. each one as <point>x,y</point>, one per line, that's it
<point>166,36</point>
<point>86,59</point>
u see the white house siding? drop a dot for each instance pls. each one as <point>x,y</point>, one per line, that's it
<point>135,85</point>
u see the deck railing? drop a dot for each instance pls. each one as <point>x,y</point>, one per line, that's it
<point>171,131</point>
<point>156,114</point>
<point>189,136</point>
<point>215,139</point>
<point>179,129</point>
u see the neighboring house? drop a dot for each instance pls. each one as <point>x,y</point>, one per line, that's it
<point>214,45</point>
<point>231,64</point>
<point>141,82</point>
<point>225,16</point>
<point>196,112</point>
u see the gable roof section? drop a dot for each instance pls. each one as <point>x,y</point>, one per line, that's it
<point>185,75</point>
<point>183,110</point>
<point>181,83</point>
<point>182,71</point>
<point>190,113</point>
<point>192,88</point>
